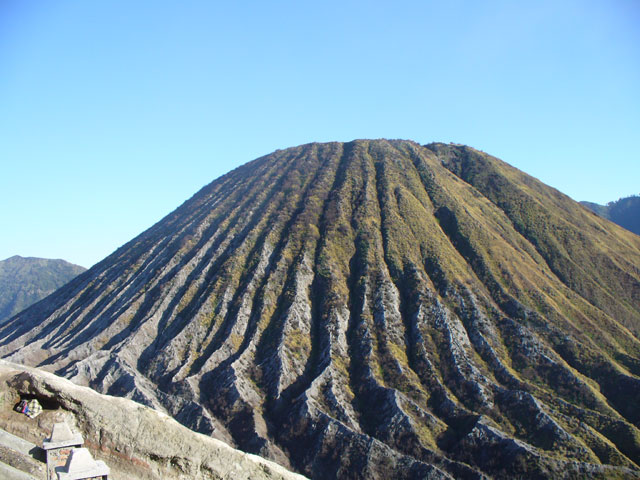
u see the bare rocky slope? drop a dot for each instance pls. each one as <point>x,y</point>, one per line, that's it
<point>372,309</point>
<point>136,442</point>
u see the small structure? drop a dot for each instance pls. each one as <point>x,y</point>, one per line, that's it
<point>59,448</point>
<point>82,466</point>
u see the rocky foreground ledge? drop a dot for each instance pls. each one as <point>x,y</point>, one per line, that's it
<point>136,442</point>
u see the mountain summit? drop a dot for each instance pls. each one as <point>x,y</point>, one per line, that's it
<point>372,309</point>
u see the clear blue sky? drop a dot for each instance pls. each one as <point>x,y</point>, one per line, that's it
<point>114,112</point>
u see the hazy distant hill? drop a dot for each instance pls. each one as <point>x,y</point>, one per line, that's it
<point>24,281</point>
<point>370,310</point>
<point>625,212</point>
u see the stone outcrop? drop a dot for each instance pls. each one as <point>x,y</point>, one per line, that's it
<point>135,441</point>
<point>372,309</point>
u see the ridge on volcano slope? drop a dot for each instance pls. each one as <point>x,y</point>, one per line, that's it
<point>370,309</point>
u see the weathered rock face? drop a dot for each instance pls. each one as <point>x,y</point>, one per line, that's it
<point>368,310</point>
<point>138,443</point>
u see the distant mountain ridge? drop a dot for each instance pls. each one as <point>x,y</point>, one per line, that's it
<point>625,212</point>
<point>24,281</point>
